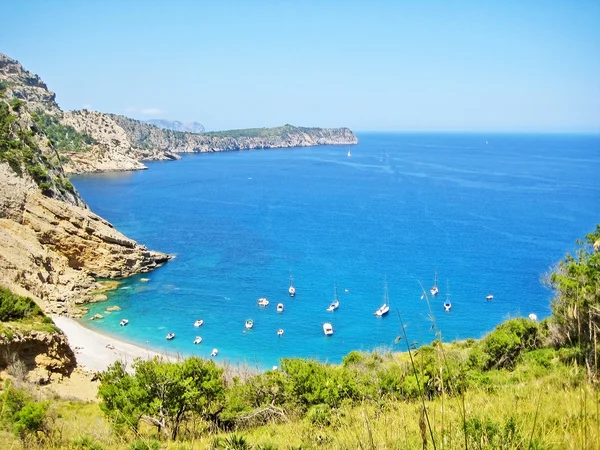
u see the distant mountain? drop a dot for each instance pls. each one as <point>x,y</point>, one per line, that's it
<point>176,125</point>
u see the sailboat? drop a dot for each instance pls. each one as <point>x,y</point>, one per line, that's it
<point>447,304</point>
<point>292,289</point>
<point>336,303</point>
<point>349,154</point>
<point>434,290</point>
<point>385,308</point>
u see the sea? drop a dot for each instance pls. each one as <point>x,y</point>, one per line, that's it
<point>490,214</point>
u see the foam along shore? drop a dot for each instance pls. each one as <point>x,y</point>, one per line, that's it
<point>95,351</point>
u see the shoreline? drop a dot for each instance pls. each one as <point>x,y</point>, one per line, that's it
<point>96,351</point>
<point>93,354</point>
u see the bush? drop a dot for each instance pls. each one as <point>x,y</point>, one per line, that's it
<point>319,415</point>
<point>15,307</point>
<point>145,444</point>
<point>86,443</point>
<point>21,413</point>
<point>502,347</point>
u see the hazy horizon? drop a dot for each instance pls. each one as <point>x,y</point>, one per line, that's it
<point>482,67</point>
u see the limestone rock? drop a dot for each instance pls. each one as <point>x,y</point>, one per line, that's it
<point>52,251</point>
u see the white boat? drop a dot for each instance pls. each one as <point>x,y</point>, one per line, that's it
<point>435,290</point>
<point>333,306</point>
<point>447,304</point>
<point>280,332</point>
<point>385,308</point>
<point>249,324</point>
<point>533,317</point>
<point>169,336</point>
<point>197,340</point>
<point>292,289</point>
<point>280,307</point>
<point>263,302</point>
<point>198,323</point>
<point>349,153</point>
<point>489,297</point>
<point>215,352</point>
<point>124,322</point>
<point>328,329</point>
<point>336,302</point>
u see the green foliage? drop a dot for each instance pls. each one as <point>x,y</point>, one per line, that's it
<point>64,138</point>
<point>231,442</point>
<point>86,443</point>
<point>15,307</point>
<point>145,444</point>
<point>19,412</point>
<point>30,419</point>
<point>312,383</point>
<point>576,304</point>
<point>15,103</point>
<point>264,133</point>
<point>163,393</point>
<point>502,347</point>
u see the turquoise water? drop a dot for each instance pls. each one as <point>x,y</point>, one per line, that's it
<point>491,217</point>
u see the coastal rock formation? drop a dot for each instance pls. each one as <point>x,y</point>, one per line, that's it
<point>41,353</point>
<point>26,86</point>
<point>145,136</point>
<point>51,245</point>
<point>88,141</point>
<point>52,251</point>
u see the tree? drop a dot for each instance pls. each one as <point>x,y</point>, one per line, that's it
<point>162,393</point>
<point>576,305</point>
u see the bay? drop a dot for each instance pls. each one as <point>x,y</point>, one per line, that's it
<point>491,213</point>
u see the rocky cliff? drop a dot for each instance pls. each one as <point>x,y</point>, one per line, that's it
<point>51,245</point>
<point>38,355</point>
<point>88,141</point>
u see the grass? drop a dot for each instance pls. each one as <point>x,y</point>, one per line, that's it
<point>532,406</point>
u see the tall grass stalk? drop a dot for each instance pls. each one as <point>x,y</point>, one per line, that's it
<point>415,372</point>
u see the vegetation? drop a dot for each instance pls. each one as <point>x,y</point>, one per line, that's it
<point>15,307</point>
<point>23,415</point>
<point>64,138</point>
<point>266,133</point>
<point>576,307</point>
<point>522,386</point>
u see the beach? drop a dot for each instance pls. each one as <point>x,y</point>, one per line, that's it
<point>95,351</point>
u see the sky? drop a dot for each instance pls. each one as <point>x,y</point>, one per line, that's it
<point>480,66</point>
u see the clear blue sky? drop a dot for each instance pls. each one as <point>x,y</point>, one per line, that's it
<point>369,65</point>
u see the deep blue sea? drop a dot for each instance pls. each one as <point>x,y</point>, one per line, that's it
<point>491,213</point>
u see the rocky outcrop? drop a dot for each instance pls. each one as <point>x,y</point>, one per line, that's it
<point>52,251</point>
<point>27,86</point>
<point>41,353</point>
<point>111,151</point>
<point>145,136</point>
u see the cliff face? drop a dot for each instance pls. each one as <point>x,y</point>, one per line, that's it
<point>42,354</point>
<point>87,141</point>
<point>51,245</point>
<point>145,136</point>
<point>51,250</point>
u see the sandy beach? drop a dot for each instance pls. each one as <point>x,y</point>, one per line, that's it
<point>96,351</point>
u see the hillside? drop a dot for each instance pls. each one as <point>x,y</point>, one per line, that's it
<point>90,141</point>
<point>52,247</point>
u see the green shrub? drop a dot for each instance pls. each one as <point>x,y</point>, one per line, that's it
<point>145,444</point>
<point>502,347</point>
<point>319,415</point>
<point>86,443</point>
<point>15,307</point>
<point>15,103</point>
